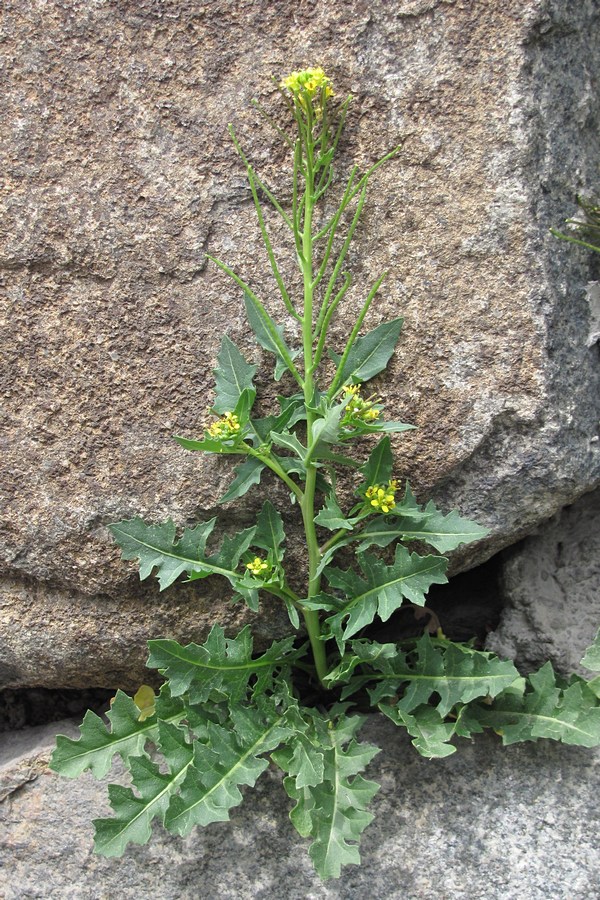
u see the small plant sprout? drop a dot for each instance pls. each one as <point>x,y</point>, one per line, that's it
<point>225,712</point>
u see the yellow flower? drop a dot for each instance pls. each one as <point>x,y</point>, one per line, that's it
<point>259,567</point>
<point>308,84</point>
<point>225,428</point>
<point>357,409</point>
<point>382,497</point>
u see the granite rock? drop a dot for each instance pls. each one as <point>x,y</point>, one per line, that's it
<point>488,822</point>
<point>550,587</point>
<point>119,177</point>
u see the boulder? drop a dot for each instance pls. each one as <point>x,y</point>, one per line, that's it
<point>121,177</point>
<point>485,823</point>
<point>550,587</point>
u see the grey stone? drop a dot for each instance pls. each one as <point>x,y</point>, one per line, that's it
<point>120,177</point>
<point>550,585</point>
<point>516,823</point>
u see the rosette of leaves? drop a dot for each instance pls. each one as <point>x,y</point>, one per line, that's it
<point>225,712</point>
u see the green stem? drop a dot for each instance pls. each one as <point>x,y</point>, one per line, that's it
<point>311,617</point>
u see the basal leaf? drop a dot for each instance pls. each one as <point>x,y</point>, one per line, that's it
<point>333,811</point>
<point>231,755</point>
<point>543,709</point>
<point>591,660</point>
<point>126,736</point>
<point>233,376</point>
<point>134,813</point>
<point>221,665</point>
<point>429,730</point>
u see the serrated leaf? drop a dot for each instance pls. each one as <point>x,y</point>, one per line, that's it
<point>269,533</point>
<point>134,814</point>
<point>290,442</point>
<point>332,812</point>
<point>127,736</point>
<point>383,589</point>
<point>428,729</point>
<point>231,755</point>
<point>456,673</point>
<point>544,710</point>
<point>332,517</point>
<point>370,354</point>
<point>221,665</point>
<point>233,376</point>
<point>269,336</point>
<point>156,548</point>
<point>247,474</point>
<point>444,532</point>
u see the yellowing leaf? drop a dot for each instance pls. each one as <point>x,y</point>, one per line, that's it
<point>144,698</point>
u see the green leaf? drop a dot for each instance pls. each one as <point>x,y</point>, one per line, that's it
<point>427,727</point>
<point>156,548</point>
<point>231,755</point>
<point>127,736</point>
<point>445,533</point>
<point>332,517</point>
<point>207,445</point>
<point>221,665</point>
<point>378,467</point>
<point>455,673</point>
<point>543,709</point>
<point>383,589</point>
<point>269,336</point>
<point>233,376</point>
<point>248,474</point>
<point>333,811</point>
<point>269,532</point>
<point>370,354</point>
<point>326,429</point>
<point>134,815</point>
<point>290,442</point>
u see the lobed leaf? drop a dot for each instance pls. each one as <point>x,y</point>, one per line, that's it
<point>247,474</point>
<point>331,797</point>
<point>221,666</point>
<point>383,589</point>
<point>128,733</point>
<point>541,708</point>
<point>269,336</point>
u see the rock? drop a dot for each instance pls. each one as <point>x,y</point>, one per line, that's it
<point>550,585</point>
<point>120,177</point>
<point>485,823</point>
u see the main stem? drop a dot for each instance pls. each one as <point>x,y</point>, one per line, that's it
<point>311,617</point>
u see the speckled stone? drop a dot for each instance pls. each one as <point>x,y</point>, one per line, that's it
<point>550,585</point>
<point>118,176</point>
<point>487,823</point>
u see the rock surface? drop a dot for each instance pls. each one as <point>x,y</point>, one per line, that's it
<point>119,178</point>
<point>550,585</point>
<point>488,822</point>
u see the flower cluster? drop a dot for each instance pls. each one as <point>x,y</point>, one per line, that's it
<point>259,567</point>
<point>382,497</point>
<point>225,428</point>
<point>358,410</point>
<point>309,81</point>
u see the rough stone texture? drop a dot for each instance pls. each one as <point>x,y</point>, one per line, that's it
<point>118,176</point>
<point>550,586</point>
<point>488,822</point>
